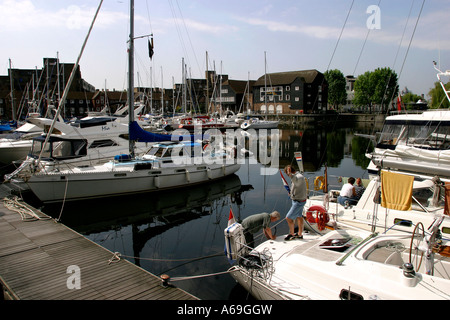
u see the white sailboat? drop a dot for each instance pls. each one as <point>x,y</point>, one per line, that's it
<point>173,165</point>
<point>343,264</point>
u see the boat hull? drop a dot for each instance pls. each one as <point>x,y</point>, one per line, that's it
<point>81,185</point>
<point>14,151</point>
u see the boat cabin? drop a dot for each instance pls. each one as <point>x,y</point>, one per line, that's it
<point>58,148</point>
<point>419,131</point>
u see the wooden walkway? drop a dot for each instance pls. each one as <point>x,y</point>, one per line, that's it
<point>35,257</point>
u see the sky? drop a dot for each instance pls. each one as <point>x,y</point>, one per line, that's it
<point>242,39</point>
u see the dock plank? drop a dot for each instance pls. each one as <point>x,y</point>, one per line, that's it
<point>35,255</point>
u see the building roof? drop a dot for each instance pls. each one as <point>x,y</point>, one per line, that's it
<point>282,78</point>
<point>239,85</point>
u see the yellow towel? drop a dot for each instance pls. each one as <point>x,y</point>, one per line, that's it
<point>396,191</point>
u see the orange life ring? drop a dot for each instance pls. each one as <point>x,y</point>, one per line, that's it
<point>319,215</point>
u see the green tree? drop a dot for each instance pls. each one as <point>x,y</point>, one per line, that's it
<point>409,99</point>
<point>337,94</point>
<point>438,98</point>
<point>378,87</point>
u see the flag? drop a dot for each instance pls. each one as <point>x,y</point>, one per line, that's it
<point>286,185</point>
<point>150,48</point>
<point>231,219</point>
<point>399,103</point>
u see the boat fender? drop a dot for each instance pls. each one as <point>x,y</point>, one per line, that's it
<point>208,172</point>
<point>188,176</point>
<point>157,181</point>
<point>319,183</point>
<point>319,215</point>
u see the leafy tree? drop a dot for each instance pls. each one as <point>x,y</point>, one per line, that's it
<point>438,98</point>
<point>336,87</point>
<point>409,99</point>
<point>377,87</point>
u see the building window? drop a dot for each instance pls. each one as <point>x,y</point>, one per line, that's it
<point>279,108</point>
<point>288,97</point>
<point>263,108</point>
<point>288,88</point>
<point>297,99</point>
<point>271,109</point>
<point>297,88</point>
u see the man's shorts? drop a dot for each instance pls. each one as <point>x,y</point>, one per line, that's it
<point>296,210</point>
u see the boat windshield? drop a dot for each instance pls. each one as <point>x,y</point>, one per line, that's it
<point>59,149</point>
<point>431,135</point>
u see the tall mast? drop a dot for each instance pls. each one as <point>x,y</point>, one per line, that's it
<point>131,75</point>
<point>12,91</point>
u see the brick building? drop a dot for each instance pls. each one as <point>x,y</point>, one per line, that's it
<point>294,92</point>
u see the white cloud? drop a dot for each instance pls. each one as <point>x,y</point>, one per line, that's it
<point>23,15</point>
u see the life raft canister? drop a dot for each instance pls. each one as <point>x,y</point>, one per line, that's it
<point>318,215</point>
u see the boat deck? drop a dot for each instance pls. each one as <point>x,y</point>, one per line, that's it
<point>44,260</point>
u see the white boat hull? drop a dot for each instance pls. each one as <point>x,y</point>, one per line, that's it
<point>370,269</point>
<point>80,184</point>
<point>14,151</point>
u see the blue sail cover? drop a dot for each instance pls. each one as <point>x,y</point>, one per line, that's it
<point>140,135</point>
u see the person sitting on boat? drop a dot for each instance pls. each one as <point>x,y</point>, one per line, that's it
<point>298,196</point>
<point>359,188</point>
<point>347,195</point>
<point>254,223</point>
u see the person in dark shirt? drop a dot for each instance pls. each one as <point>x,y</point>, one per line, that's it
<point>256,222</point>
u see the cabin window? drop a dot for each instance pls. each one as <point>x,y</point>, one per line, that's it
<point>350,295</point>
<point>402,222</point>
<point>431,135</point>
<point>102,144</point>
<point>59,149</point>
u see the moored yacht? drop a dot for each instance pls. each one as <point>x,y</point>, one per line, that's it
<point>343,264</point>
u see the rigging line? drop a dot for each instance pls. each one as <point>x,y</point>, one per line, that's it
<point>396,56</point>
<point>342,31</point>
<point>177,27</point>
<point>412,36</point>
<point>148,15</point>
<point>364,45</point>
<point>189,37</point>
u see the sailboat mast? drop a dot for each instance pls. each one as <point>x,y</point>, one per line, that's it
<point>131,75</point>
<point>13,109</point>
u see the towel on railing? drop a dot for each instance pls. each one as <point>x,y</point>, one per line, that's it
<point>396,191</point>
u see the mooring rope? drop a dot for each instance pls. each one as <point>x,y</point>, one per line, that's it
<point>12,203</point>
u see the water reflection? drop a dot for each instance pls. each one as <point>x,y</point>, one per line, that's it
<point>180,232</point>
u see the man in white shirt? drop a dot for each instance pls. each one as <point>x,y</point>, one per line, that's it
<point>347,196</point>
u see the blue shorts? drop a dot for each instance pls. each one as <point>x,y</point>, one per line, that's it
<point>296,210</point>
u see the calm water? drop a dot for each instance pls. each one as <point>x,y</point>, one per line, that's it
<point>181,233</point>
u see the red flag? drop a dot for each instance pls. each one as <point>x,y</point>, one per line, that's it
<point>399,103</point>
<point>231,219</point>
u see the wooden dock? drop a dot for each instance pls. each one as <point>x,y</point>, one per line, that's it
<point>41,259</point>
